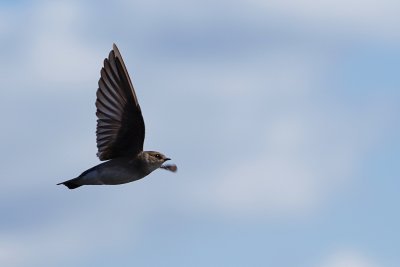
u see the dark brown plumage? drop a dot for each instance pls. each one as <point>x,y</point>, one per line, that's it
<point>120,131</point>
<point>120,126</point>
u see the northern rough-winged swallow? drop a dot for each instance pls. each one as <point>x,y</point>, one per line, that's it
<point>120,131</point>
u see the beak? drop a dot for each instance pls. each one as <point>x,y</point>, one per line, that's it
<point>166,159</point>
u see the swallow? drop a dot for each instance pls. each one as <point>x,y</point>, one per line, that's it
<point>120,131</point>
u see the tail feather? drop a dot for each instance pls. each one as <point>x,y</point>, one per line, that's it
<point>71,184</point>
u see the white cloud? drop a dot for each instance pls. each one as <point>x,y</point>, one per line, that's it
<point>305,158</point>
<point>83,227</point>
<point>289,176</point>
<point>47,48</point>
<point>350,19</point>
<point>369,18</point>
<point>307,147</point>
<point>348,258</point>
<point>56,51</point>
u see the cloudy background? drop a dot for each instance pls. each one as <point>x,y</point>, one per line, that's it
<point>282,116</point>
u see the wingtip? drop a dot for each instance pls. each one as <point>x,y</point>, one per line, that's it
<point>115,48</point>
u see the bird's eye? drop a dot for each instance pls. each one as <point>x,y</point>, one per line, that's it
<point>158,156</point>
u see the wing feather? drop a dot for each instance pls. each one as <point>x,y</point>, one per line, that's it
<point>120,126</point>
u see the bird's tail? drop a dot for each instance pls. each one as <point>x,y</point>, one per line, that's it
<point>71,184</point>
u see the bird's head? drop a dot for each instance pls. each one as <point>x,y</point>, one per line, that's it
<point>153,159</point>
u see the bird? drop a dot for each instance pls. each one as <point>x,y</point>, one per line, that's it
<point>120,131</point>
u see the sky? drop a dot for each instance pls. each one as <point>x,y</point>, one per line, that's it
<point>282,116</point>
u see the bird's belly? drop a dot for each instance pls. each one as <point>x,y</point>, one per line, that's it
<point>111,176</point>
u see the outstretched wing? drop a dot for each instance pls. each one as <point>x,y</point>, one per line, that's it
<point>120,126</point>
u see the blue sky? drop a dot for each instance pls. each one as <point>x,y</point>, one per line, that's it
<point>282,117</point>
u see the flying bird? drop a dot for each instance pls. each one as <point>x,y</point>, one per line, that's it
<point>120,131</point>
